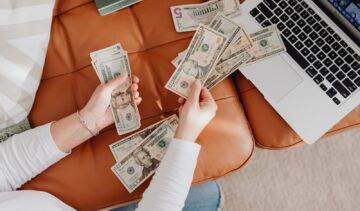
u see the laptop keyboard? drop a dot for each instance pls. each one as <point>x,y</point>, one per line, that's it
<point>317,48</point>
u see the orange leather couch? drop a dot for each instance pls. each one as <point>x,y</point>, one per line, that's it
<point>84,179</point>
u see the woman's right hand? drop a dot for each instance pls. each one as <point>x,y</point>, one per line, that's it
<point>195,113</point>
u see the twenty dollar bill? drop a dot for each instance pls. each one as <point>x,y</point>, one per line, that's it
<point>121,148</point>
<point>200,59</point>
<point>231,60</point>
<point>266,42</point>
<point>123,106</point>
<point>143,161</point>
<point>110,63</point>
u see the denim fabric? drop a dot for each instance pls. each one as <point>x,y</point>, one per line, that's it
<point>204,197</point>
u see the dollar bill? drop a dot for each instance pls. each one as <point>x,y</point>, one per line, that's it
<point>234,55</point>
<point>123,106</point>
<point>113,66</point>
<point>241,44</point>
<point>238,39</point>
<point>188,17</point>
<point>231,8</point>
<point>106,52</point>
<point>225,69</point>
<point>226,26</point>
<point>255,47</point>
<point>266,42</point>
<point>200,59</point>
<point>176,62</point>
<point>102,54</point>
<point>121,148</point>
<point>15,129</point>
<point>143,161</point>
<point>108,64</point>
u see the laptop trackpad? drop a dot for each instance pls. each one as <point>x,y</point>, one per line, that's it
<point>274,77</point>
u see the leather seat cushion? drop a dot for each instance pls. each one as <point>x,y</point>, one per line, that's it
<point>269,129</point>
<point>84,179</point>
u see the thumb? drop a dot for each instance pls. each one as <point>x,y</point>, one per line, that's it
<point>113,84</point>
<point>206,96</point>
<point>195,92</point>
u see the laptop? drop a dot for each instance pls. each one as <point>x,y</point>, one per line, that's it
<point>316,82</point>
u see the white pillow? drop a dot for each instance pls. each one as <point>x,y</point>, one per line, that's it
<point>24,36</point>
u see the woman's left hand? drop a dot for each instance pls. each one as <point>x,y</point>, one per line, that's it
<point>98,111</point>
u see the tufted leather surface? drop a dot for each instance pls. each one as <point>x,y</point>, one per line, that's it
<point>84,179</point>
<point>270,130</point>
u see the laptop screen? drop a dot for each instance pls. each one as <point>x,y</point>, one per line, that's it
<point>349,9</point>
<point>346,13</point>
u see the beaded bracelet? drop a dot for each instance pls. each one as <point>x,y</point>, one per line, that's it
<point>85,125</point>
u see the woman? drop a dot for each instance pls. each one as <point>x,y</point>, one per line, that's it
<point>25,155</point>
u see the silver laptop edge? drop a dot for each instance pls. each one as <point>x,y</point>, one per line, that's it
<point>290,91</point>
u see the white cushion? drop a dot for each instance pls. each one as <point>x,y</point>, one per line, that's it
<point>24,36</point>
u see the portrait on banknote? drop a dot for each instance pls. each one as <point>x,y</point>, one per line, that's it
<point>143,158</point>
<point>136,163</point>
<point>193,69</point>
<point>121,100</point>
<point>199,61</point>
<point>219,71</point>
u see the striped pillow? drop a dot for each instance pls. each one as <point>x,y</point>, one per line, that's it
<point>24,35</point>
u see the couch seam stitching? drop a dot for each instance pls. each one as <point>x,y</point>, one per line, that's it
<point>139,27</point>
<point>243,109</point>
<point>84,67</point>
<point>248,90</point>
<point>72,62</point>
<point>69,10</point>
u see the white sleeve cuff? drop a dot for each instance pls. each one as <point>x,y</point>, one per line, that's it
<point>171,183</point>
<point>47,141</point>
<point>26,155</point>
<point>186,146</point>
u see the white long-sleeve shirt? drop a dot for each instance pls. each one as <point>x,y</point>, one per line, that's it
<point>25,155</point>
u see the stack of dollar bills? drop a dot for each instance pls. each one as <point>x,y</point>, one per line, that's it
<point>139,155</point>
<point>219,49</point>
<point>188,17</point>
<point>109,6</point>
<point>109,63</point>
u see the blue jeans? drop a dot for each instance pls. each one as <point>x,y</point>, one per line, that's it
<point>204,197</point>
